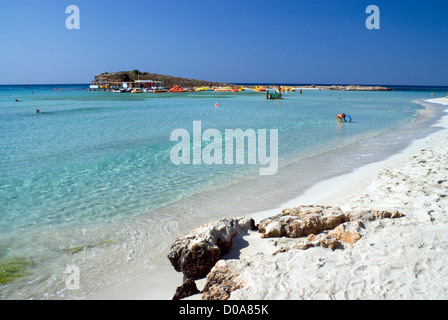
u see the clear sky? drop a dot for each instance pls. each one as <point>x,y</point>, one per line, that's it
<point>296,41</point>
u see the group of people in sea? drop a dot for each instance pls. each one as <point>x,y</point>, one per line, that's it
<point>342,117</point>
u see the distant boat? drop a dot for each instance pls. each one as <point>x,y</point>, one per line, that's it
<point>285,89</point>
<point>223,89</point>
<point>177,89</point>
<point>137,90</point>
<point>203,89</point>
<point>259,89</point>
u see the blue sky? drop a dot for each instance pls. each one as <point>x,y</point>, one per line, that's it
<point>297,41</point>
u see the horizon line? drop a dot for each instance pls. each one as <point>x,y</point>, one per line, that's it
<point>253,83</point>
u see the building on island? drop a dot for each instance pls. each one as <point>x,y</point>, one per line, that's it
<point>143,85</point>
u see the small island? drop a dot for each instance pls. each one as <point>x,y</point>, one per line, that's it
<point>109,81</point>
<point>116,80</point>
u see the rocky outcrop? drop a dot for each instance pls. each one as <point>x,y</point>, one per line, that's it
<point>370,215</point>
<point>320,240</point>
<point>306,220</point>
<point>221,281</point>
<point>196,253</point>
<point>341,234</point>
<point>355,88</point>
<point>339,87</point>
<point>302,221</point>
<point>188,288</point>
<point>323,226</point>
<point>169,81</point>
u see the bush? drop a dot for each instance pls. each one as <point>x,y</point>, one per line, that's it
<point>124,77</point>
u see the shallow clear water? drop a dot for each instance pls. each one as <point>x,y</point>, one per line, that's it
<point>96,155</point>
<point>92,159</point>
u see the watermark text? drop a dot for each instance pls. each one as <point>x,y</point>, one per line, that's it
<point>236,151</point>
<point>73,21</point>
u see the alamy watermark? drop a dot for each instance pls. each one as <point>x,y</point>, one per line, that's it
<point>373,21</point>
<point>234,141</point>
<point>73,279</point>
<point>73,21</point>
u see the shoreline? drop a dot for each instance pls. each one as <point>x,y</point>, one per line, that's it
<point>160,283</point>
<point>327,191</point>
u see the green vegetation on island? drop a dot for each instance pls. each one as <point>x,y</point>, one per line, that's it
<point>169,81</point>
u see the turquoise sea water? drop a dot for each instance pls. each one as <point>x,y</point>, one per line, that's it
<point>92,159</point>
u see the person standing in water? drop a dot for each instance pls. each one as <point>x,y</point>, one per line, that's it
<point>341,117</point>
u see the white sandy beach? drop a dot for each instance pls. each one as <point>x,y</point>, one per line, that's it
<point>405,258</point>
<point>402,258</point>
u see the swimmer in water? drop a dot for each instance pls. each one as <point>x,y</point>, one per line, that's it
<point>341,117</point>
<point>37,111</point>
